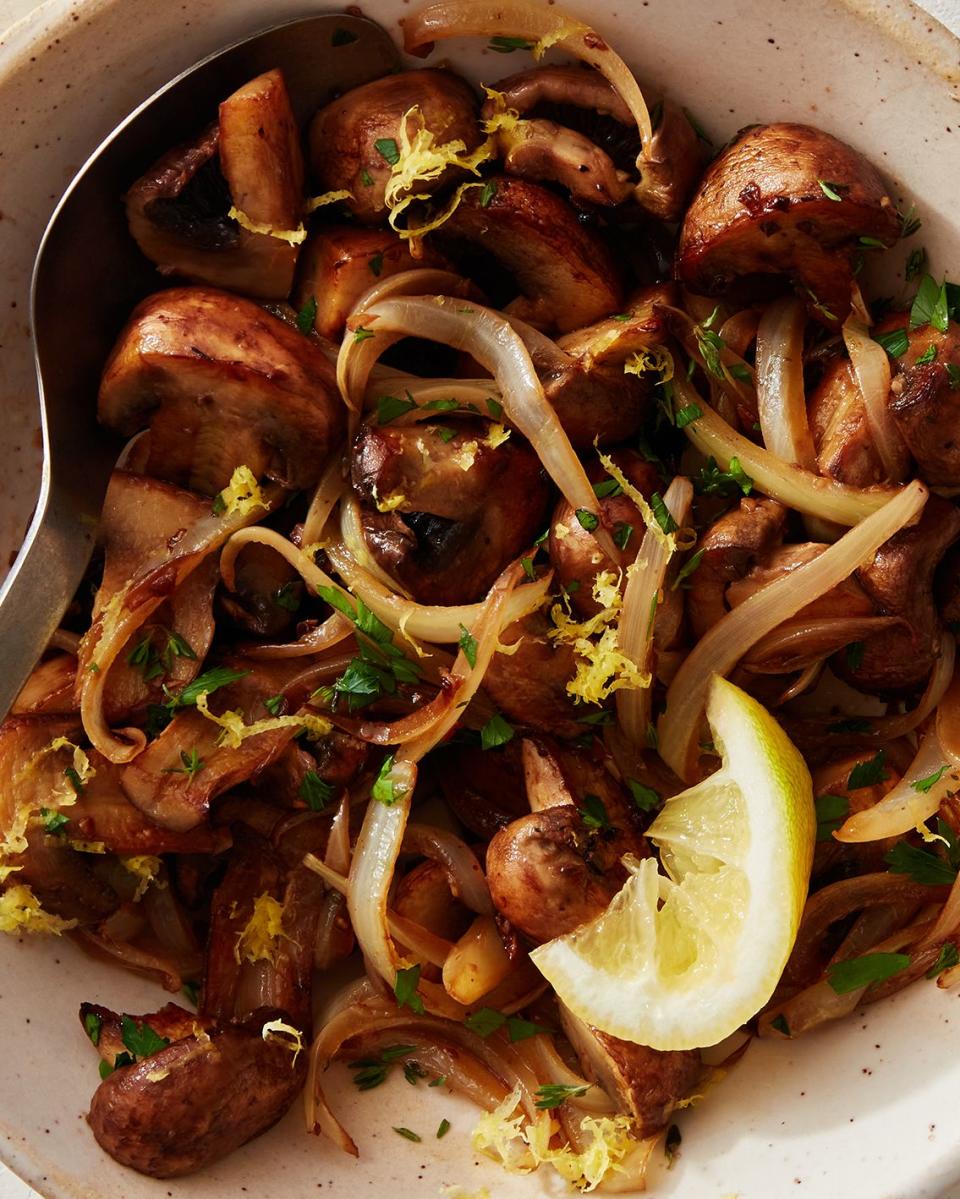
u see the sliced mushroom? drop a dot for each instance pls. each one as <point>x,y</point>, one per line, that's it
<point>647,1084</point>
<point>578,132</point>
<point>222,384</point>
<point>484,788</point>
<point>443,514</point>
<point>529,685</point>
<point>564,271</point>
<point>899,581</point>
<point>266,594</point>
<point>550,872</point>
<point>788,200</point>
<point>730,546</point>
<point>925,403</point>
<point>250,160</point>
<point>50,688</point>
<point>338,264</point>
<point>354,140</point>
<point>838,420</point>
<point>574,551</point>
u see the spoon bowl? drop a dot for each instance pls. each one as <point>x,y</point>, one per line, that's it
<point>89,274</point>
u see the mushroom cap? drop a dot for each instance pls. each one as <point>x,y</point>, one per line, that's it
<point>344,134</point>
<point>223,384</point>
<point>565,272</point>
<point>761,209</point>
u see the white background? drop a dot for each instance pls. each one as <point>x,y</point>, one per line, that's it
<point>947,11</point>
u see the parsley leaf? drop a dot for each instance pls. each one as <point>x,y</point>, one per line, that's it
<point>594,813</point>
<point>443,1129</point>
<point>390,407</point>
<point>928,355</point>
<point>307,315</point>
<point>361,334</point>
<point>925,784</point>
<point>647,799</point>
<point>662,514</point>
<point>140,1039</point>
<point>831,812</point>
<point>953,374</point>
<point>315,792</point>
<point>622,532</point>
<point>930,305</point>
<point>375,263</point>
<point>714,481</point>
<point>190,764</point>
<point>781,1025</point>
<point>203,684</point>
<point>687,569</point>
<point>552,1094</point>
<point>832,190</point>
<point>275,704</point>
<point>946,960</point>
<point>385,790</point>
<point>854,655</point>
<point>485,1020</point>
<point>507,45</point>
<point>92,1023</point>
<point>921,864</point>
<point>587,519</point>
<point>495,732</point>
<point>468,644</point>
<point>386,147</point>
<point>916,263</point>
<point>405,989</point>
<point>288,596</point>
<point>686,416</point>
<point>606,488</point>
<point>406,1132</point>
<point>855,973</point>
<point>488,191</point>
<point>896,342</point>
<point>868,774</point>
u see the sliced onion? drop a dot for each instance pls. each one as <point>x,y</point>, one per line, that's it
<point>547,26</point>
<point>645,580</point>
<point>781,403</point>
<point>736,633</point>
<point>423,392</point>
<point>791,484</point>
<point>489,338</point>
<point>906,805</point>
<point>357,357</point>
<point>351,533</point>
<point>162,968</point>
<point>129,609</point>
<point>871,368</point>
<point>381,837</point>
<point>464,873</point>
<point>331,487</point>
<point>738,375</point>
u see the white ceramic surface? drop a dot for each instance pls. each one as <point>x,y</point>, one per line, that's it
<point>867,1109</point>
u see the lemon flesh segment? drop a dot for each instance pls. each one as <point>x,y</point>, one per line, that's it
<point>681,959</point>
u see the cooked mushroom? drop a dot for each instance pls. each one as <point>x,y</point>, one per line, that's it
<point>484,788</point>
<point>551,871</point>
<point>647,1084</point>
<point>899,581</point>
<point>444,507</point>
<point>529,685</point>
<point>250,160</point>
<point>50,688</point>
<point>566,276</point>
<point>338,264</point>
<point>222,384</point>
<point>925,403</point>
<point>790,200</point>
<point>838,421</point>
<point>574,551</point>
<point>578,132</point>
<point>730,546</point>
<point>355,140</point>
<point>266,593</point>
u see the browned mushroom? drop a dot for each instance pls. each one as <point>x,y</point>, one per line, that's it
<point>355,140</point>
<point>925,402</point>
<point>551,871</point>
<point>339,264</point>
<point>266,592</point>
<point>899,581</point>
<point>444,507</point>
<point>575,553</point>
<point>484,788</point>
<point>790,200</point>
<point>50,688</point>
<point>250,160</point>
<point>647,1084</point>
<point>566,275</point>
<point>842,437</point>
<point>578,132</point>
<point>529,684</point>
<point>222,384</point>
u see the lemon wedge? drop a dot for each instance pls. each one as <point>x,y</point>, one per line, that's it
<point>681,959</point>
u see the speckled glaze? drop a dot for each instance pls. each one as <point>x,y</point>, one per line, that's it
<point>864,1110</point>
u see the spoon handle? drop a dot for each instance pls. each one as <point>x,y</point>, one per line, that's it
<point>36,593</point>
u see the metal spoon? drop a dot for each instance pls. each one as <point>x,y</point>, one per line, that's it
<point>88,276</point>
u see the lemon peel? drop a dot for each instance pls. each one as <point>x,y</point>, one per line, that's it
<point>20,912</point>
<point>259,939</point>
<point>241,495</point>
<point>292,236</point>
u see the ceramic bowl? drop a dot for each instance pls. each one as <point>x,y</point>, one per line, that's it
<point>866,1109</point>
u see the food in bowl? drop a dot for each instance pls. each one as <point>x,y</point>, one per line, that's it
<point>541,475</point>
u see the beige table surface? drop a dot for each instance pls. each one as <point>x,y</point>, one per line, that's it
<point>947,11</point>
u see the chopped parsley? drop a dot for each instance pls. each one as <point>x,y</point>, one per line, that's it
<point>307,315</point>
<point>688,568</point>
<point>831,812</point>
<point>781,1025</point>
<point>72,776</point>
<point>947,958</point>
<point>405,989</point>
<point>370,1072</point>
<point>315,792</point>
<point>468,644</point>
<point>594,813</point>
<point>92,1023</point>
<point>406,1132</point>
<point>140,1039</point>
<point>204,684</point>
<point>288,596</point>
<point>662,514</point>
<point>910,223</point>
<point>385,790</point>
<point>443,1129</point>
<point>361,334</point>
<point>487,1020</point>
<point>869,773</point>
<point>928,355</point>
<point>686,416</point>
<point>922,865</point>
<point>495,732</point>
<point>916,263</point>
<point>553,1094</point>
<point>896,342</point>
<point>375,264</point>
<point>714,481</point>
<point>647,799</point>
<point>380,667</point>
<point>925,784</point>
<point>390,407</point>
<point>53,821</point>
<point>386,147</point>
<point>953,374</point>
<point>190,764</point>
<point>275,704</point>
<point>864,971</point>
<point>854,655</point>
<point>622,532</point>
<point>487,192</point>
<point>607,488</point>
<point>366,178</point>
<point>930,305</point>
<point>507,45</point>
<point>832,190</point>
<point>587,519</point>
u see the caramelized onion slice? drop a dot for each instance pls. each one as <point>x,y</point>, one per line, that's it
<point>781,402</point>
